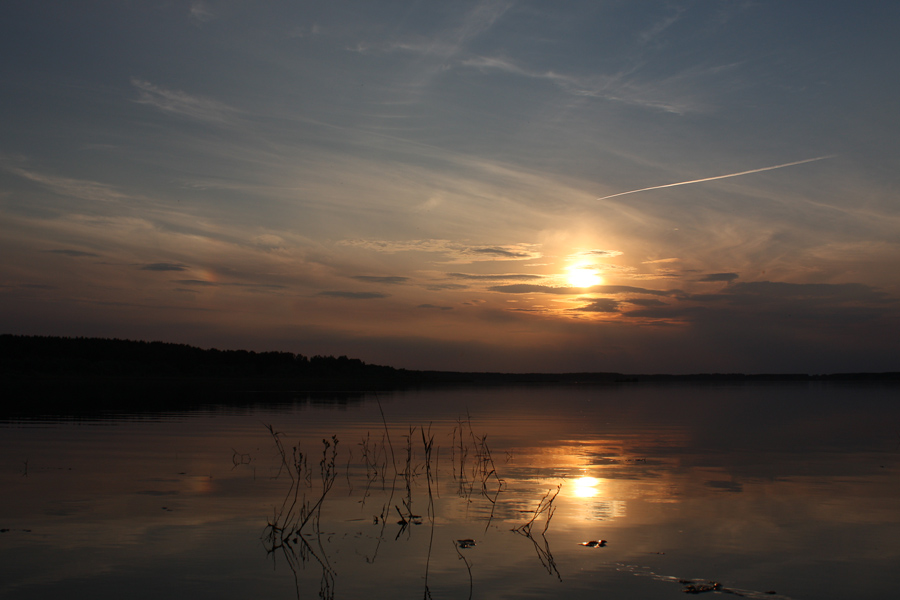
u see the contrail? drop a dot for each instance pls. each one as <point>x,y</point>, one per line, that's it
<point>658,187</point>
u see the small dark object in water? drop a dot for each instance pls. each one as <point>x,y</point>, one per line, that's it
<point>699,588</point>
<point>466,543</point>
<point>771,592</point>
<point>594,544</point>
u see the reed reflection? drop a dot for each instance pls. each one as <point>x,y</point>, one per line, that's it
<point>389,483</point>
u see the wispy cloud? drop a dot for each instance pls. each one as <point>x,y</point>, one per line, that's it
<point>180,103</point>
<point>200,11</point>
<point>668,185</point>
<point>601,305</point>
<point>719,277</point>
<point>655,30</point>
<point>455,251</point>
<point>646,302</point>
<point>443,287</point>
<point>198,282</point>
<point>496,277</point>
<point>439,49</point>
<point>164,267</point>
<point>236,284</point>
<point>39,286</point>
<point>432,306</point>
<point>353,295</point>
<point>660,261</point>
<point>670,95</point>
<point>451,41</point>
<point>73,253</point>
<point>597,254</point>
<point>770,302</point>
<point>76,188</point>
<point>391,280</point>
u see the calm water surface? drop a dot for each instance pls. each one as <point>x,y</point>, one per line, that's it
<point>773,491</point>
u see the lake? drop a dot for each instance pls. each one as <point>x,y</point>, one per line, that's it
<point>764,490</point>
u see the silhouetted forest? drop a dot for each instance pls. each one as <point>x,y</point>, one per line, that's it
<point>66,374</point>
<point>60,356</point>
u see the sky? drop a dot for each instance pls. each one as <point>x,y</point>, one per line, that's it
<point>499,185</point>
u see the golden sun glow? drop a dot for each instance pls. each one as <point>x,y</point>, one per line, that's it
<point>586,487</point>
<point>583,277</point>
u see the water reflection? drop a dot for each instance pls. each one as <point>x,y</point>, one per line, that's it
<point>470,493</point>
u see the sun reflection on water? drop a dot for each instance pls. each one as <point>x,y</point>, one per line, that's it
<point>586,487</point>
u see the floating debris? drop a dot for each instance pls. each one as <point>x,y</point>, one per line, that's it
<point>594,544</point>
<point>466,543</point>
<point>698,588</point>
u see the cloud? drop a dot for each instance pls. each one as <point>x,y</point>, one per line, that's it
<point>197,282</point>
<point>497,251</point>
<point>671,95</point>
<point>600,253</point>
<point>446,44</point>
<point>457,252</point>
<point>435,307</point>
<point>605,305</point>
<point>726,486</point>
<point>719,277</point>
<point>771,302</point>
<point>39,286</point>
<point>496,277</point>
<point>354,295</point>
<point>646,302</point>
<point>817,292</point>
<point>204,283</point>
<point>391,280</point>
<point>663,274</point>
<point>74,253</point>
<point>657,28</point>
<point>76,188</point>
<point>164,267</point>
<point>270,242</point>
<point>200,11</point>
<point>526,288</point>
<point>180,103</point>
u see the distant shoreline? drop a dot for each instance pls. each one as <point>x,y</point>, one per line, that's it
<point>59,374</point>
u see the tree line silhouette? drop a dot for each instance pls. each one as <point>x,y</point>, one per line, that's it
<point>100,357</point>
<point>69,375</point>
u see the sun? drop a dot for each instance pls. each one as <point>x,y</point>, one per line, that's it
<point>583,277</point>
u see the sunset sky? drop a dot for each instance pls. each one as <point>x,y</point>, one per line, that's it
<point>442,185</point>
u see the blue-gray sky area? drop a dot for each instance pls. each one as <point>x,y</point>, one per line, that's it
<point>467,185</point>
